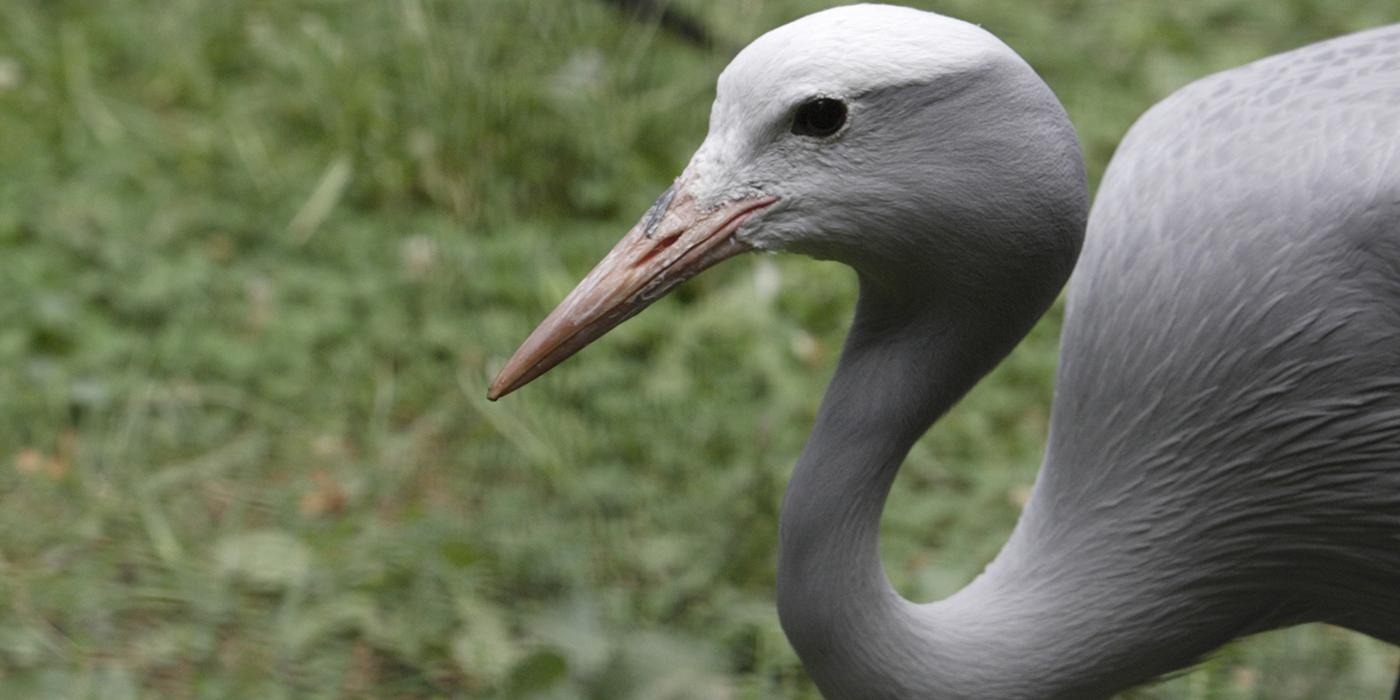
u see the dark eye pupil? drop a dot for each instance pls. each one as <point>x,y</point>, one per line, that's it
<point>820,117</point>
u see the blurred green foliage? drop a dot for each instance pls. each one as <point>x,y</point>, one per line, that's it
<point>259,258</point>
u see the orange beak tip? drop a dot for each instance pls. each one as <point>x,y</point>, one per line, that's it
<point>496,392</point>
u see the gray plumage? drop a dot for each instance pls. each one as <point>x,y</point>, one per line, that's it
<point>1225,441</point>
<point>1224,452</point>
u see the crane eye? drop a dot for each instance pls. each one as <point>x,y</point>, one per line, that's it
<point>819,117</point>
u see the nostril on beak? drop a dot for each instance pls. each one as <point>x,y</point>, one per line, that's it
<point>661,245</point>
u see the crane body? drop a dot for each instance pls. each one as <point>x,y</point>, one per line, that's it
<point>1224,452</point>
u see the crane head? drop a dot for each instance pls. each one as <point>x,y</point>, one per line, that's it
<point>886,138</point>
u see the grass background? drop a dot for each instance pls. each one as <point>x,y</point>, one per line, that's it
<point>259,259</point>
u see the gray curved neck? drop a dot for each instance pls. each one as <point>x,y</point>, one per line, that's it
<point>834,601</point>
<point>1004,635</point>
<point>855,634</point>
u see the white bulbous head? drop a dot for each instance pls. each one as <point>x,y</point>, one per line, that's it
<point>950,147</point>
<point>916,148</point>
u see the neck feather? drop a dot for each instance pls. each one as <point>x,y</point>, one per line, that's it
<point>1030,626</point>
<point>904,364</point>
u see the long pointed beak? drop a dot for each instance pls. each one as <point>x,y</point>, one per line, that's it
<point>674,241</point>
